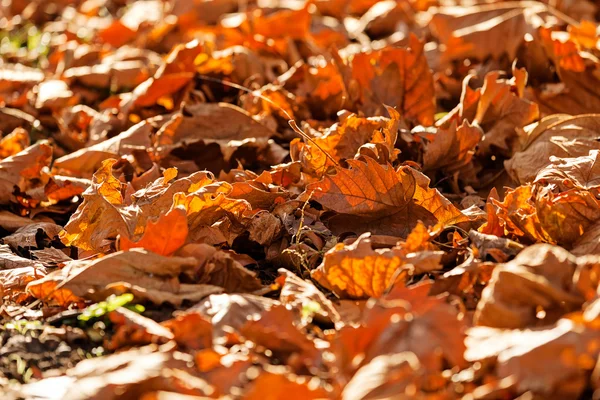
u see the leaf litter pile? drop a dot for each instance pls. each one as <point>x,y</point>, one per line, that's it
<point>330,199</point>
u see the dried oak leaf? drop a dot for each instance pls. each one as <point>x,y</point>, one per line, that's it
<point>276,329</point>
<point>405,320</point>
<point>576,92</point>
<point>343,140</point>
<point>219,268</point>
<point>23,171</point>
<point>147,275</point>
<point>453,148</point>
<point>468,31</point>
<point>535,287</point>
<point>554,362</point>
<point>357,271</point>
<point>164,236</point>
<point>582,172</point>
<point>177,71</point>
<point>558,135</point>
<point>373,197</point>
<point>565,216</point>
<point>229,312</point>
<point>397,77</point>
<point>31,235</point>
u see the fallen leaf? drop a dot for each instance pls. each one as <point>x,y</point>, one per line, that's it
<point>164,236</point>
<point>147,275</point>
<point>372,197</point>
<point>533,289</point>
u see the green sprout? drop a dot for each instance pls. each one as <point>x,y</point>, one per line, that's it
<point>309,309</point>
<point>111,303</point>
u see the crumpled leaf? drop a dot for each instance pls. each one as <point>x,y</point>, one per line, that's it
<point>469,31</point>
<point>219,268</point>
<point>357,271</point>
<point>534,288</point>
<point>558,135</point>
<point>343,140</point>
<point>164,236</point>
<point>452,149</point>
<point>104,213</point>
<point>33,234</point>
<point>556,360</point>
<point>406,320</point>
<point>397,77</point>
<point>23,170</point>
<point>231,311</point>
<point>582,172</point>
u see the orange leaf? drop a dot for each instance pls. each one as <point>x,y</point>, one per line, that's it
<point>164,236</point>
<point>375,198</point>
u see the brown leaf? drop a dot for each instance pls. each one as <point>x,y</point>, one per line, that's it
<point>130,373</point>
<point>357,271</point>
<point>148,276</point>
<point>567,215</point>
<point>343,140</point>
<point>274,386</point>
<point>23,170</point>
<point>173,75</point>
<point>553,361</point>
<point>28,235</point>
<point>534,288</point>
<point>558,135</point>
<point>302,294</point>
<point>219,268</point>
<point>276,330</point>
<point>9,260</point>
<point>406,320</point>
<point>377,198</point>
<point>191,330</point>
<point>103,214</point>
<point>469,31</point>
<point>385,376</point>
<point>452,149</point>
<point>164,236</point>
<point>88,159</point>
<point>582,172</point>
<point>397,77</point>
<point>231,311</point>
